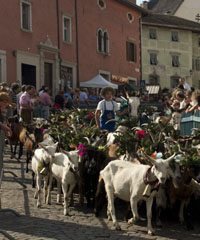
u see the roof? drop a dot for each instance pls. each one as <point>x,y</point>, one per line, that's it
<point>153,89</point>
<point>131,4</point>
<point>170,22</point>
<point>164,6</point>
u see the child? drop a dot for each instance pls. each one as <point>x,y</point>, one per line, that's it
<point>176,114</point>
<point>106,110</point>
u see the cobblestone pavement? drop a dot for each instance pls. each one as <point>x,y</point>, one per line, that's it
<point>48,222</point>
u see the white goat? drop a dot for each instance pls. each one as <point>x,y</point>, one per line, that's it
<point>42,158</point>
<point>63,169</point>
<point>111,136</point>
<point>127,181</point>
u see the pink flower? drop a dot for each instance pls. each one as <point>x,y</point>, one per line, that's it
<point>42,130</point>
<point>117,143</point>
<point>90,115</point>
<point>141,134</point>
<point>82,149</point>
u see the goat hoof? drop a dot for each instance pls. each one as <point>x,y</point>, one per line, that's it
<point>117,227</point>
<point>151,232</point>
<point>38,205</point>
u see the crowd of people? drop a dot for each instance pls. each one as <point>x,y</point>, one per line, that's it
<point>27,103</point>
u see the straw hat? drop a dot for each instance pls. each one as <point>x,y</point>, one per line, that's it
<point>107,89</point>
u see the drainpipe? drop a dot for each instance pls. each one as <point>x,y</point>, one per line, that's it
<point>140,32</point>
<point>77,44</point>
<point>58,41</point>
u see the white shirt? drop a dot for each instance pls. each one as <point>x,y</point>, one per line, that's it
<point>110,106</point>
<point>41,92</point>
<point>186,87</point>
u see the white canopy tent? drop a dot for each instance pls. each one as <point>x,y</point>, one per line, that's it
<point>98,82</point>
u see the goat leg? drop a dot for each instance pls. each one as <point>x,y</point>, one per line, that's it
<point>100,197</point>
<point>187,217</point>
<point>20,150</point>
<point>33,179</point>
<point>27,161</point>
<point>11,150</point>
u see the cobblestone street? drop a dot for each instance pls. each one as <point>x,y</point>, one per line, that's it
<point>48,222</point>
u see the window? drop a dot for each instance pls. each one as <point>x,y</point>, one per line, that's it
<point>175,61</point>
<point>101,4</point>
<point>105,74</point>
<point>131,52</point>
<point>2,66</point>
<point>197,64</point>
<point>103,42</point>
<point>1,71</point>
<point>175,37</point>
<point>153,59</point>
<point>174,81</point>
<point>100,42</point>
<point>26,16</point>
<point>67,30</point>
<point>130,17</point>
<point>154,79</point>
<point>152,34</point>
<point>67,77</point>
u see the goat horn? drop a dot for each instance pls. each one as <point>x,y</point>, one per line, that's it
<point>88,140</point>
<point>111,120</point>
<point>127,95</point>
<point>171,158</point>
<point>152,160</point>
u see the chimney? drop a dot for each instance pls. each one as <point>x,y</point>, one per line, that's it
<point>144,5</point>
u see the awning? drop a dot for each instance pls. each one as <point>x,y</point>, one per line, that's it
<point>98,82</point>
<point>119,79</point>
<point>153,89</point>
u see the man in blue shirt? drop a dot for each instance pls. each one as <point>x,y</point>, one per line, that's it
<point>68,98</point>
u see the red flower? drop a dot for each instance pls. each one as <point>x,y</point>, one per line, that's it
<point>90,115</point>
<point>141,134</point>
<point>57,106</point>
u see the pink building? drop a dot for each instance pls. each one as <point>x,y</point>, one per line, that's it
<point>62,42</point>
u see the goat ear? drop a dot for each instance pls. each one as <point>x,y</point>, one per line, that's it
<point>171,158</point>
<point>152,160</point>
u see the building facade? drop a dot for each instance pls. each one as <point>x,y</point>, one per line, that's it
<point>60,43</point>
<point>170,49</point>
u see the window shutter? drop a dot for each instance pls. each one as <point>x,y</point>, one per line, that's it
<point>128,51</point>
<point>135,53</point>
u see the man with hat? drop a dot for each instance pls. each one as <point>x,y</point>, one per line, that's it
<point>106,110</point>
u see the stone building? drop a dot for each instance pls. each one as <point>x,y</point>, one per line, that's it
<point>170,49</point>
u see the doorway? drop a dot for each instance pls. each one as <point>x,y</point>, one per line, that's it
<point>28,75</point>
<point>48,75</point>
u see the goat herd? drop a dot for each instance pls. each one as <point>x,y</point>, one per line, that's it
<point>134,163</point>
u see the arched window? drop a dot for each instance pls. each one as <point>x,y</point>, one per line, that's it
<point>100,40</point>
<point>105,42</point>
